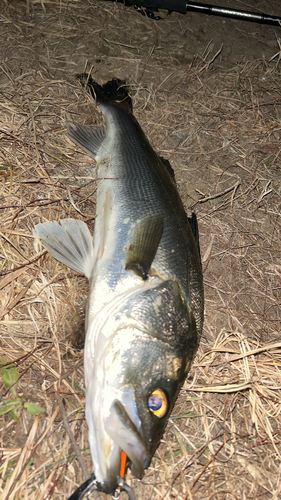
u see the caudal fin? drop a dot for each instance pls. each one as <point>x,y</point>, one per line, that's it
<point>114,91</point>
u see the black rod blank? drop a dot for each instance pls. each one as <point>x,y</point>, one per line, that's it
<point>233,13</point>
<point>183,6</point>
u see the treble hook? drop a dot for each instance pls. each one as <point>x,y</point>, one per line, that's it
<point>93,485</point>
<point>86,488</point>
<point>122,486</point>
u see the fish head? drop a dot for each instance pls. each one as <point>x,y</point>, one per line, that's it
<point>142,357</point>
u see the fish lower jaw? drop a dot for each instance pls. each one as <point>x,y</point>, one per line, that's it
<point>107,471</point>
<point>125,435</point>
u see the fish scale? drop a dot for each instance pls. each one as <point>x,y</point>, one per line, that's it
<point>142,185</point>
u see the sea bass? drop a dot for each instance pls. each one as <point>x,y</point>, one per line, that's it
<point>144,311</point>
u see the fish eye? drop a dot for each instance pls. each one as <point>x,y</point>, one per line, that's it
<point>158,403</point>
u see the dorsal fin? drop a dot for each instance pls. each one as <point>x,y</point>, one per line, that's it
<point>168,166</point>
<point>194,226</point>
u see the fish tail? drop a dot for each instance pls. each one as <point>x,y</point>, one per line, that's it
<point>114,91</point>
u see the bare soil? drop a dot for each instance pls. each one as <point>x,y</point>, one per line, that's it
<point>207,92</point>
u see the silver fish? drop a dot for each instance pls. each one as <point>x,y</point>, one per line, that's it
<point>145,307</point>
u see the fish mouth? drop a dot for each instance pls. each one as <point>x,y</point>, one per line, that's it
<point>127,438</point>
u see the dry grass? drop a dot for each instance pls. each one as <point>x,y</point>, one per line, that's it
<point>221,129</point>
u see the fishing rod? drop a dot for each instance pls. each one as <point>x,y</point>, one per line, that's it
<point>148,7</point>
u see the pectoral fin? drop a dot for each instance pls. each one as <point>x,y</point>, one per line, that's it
<point>143,244</point>
<point>70,242</point>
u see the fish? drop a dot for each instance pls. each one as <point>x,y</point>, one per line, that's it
<point>145,307</point>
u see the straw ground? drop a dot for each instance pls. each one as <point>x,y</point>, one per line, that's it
<point>220,127</point>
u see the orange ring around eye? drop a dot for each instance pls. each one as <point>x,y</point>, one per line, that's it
<point>160,405</point>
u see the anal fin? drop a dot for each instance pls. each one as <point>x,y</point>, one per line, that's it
<point>87,138</point>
